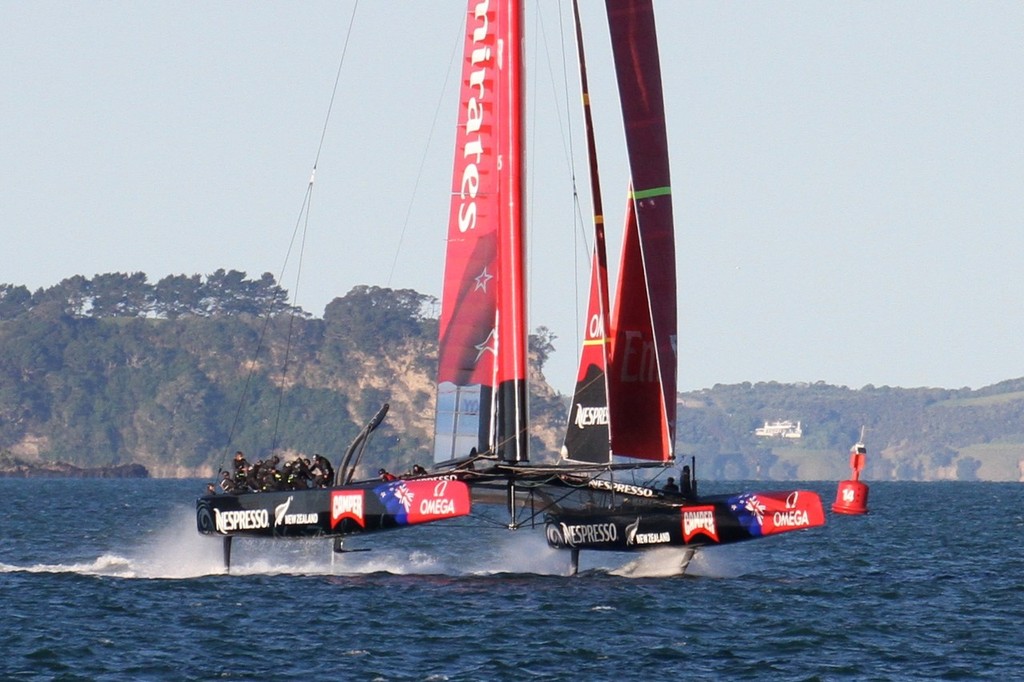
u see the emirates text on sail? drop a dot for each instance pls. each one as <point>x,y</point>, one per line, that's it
<point>473,149</point>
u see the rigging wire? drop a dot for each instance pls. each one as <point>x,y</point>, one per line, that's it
<point>291,318</point>
<point>302,221</point>
<point>260,341</point>
<point>423,159</point>
<point>567,134</point>
<point>581,232</point>
<point>307,203</point>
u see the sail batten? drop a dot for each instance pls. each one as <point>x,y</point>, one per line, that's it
<point>648,193</point>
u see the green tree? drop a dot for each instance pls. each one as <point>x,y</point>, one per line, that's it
<point>14,301</point>
<point>230,292</point>
<point>369,318</point>
<point>119,294</point>
<point>70,297</point>
<point>177,295</point>
<point>541,345</point>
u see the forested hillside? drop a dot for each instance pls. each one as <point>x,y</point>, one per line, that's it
<point>179,374</point>
<point>911,434</point>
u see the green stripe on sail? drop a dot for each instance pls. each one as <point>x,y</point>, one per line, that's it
<point>653,192</point>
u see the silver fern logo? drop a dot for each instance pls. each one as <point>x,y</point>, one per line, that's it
<point>631,531</point>
<point>282,509</point>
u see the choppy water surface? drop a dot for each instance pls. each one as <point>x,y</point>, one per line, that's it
<point>109,580</point>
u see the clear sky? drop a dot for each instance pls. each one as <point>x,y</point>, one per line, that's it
<point>848,178</point>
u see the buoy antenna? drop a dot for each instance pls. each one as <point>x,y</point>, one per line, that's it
<point>852,495</point>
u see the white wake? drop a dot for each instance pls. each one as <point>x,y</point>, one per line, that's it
<point>178,551</point>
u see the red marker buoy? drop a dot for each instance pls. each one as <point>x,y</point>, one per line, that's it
<point>852,495</point>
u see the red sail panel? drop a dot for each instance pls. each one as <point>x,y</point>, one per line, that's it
<point>639,421</point>
<point>482,341</point>
<point>586,436</point>
<point>642,373</point>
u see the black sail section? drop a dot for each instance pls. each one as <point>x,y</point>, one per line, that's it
<point>586,434</point>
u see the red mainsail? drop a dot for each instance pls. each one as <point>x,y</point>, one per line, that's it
<point>482,346</point>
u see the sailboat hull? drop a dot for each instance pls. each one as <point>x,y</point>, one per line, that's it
<point>706,521</point>
<point>332,512</point>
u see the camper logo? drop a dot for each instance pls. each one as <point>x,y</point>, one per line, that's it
<point>699,520</point>
<point>347,504</point>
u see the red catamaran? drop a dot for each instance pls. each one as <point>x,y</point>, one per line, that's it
<point>623,413</point>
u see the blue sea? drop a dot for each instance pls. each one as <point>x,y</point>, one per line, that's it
<point>108,580</point>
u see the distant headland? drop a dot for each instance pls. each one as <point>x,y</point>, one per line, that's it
<point>14,467</point>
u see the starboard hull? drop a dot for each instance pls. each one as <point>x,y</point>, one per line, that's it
<point>715,520</point>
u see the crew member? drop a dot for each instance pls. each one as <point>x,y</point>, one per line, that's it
<point>688,484</point>
<point>670,486</point>
<point>241,471</point>
<point>325,473</point>
<point>385,475</point>
<point>226,484</point>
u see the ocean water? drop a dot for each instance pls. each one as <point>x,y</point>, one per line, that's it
<point>108,580</point>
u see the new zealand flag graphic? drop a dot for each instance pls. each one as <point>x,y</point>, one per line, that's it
<point>397,500</point>
<point>749,511</point>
